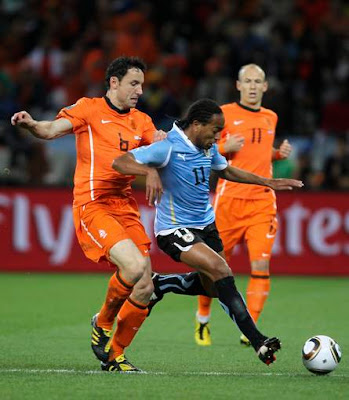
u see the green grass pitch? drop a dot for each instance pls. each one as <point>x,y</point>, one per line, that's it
<point>45,344</point>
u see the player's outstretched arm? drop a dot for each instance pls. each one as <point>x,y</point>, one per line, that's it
<point>239,175</point>
<point>42,129</point>
<point>127,165</point>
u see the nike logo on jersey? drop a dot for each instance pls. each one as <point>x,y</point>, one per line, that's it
<point>182,156</point>
<point>138,137</point>
<point>105,121</point>
<point>269,236</point>
<point>265,254</point>
<point>270,131</point>
<point>240,121</point>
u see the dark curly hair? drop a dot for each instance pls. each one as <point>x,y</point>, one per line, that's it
<point>201,111</point>
<point>121,65</point>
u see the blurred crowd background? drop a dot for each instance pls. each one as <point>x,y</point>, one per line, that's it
<point>55,51</point>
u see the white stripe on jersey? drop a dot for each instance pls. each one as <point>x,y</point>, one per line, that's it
<point>90,135</point>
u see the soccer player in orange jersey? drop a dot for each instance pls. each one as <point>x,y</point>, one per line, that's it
<point>246,212</point>
<point>106,216</point>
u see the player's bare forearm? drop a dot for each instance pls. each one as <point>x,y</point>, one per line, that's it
<point>234,174</point>
<point>241,176</point>
<point>49,130</point>
<point>127,165</point>
<point>42,129</point>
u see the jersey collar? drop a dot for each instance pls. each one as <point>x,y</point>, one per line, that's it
<point>183,136</point>
<point>248,108</point>
<point>111,105</point>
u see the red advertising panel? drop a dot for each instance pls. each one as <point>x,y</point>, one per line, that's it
<point>37,234</point>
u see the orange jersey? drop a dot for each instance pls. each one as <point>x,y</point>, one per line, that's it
<point>258,129</point>
<point>102,134</point>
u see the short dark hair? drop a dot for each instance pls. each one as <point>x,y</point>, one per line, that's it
<point>201,111</point>
<point>121,65</point>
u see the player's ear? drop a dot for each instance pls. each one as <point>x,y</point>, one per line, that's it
<point>114,82</point>
<point>238,85</point>
<point>265,86</point>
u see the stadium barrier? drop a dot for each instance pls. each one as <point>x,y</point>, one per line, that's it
<point>37,234</point>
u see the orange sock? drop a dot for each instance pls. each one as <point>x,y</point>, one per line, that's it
<point>129,320</point>
<point>117,293</point>
<point>204,309</point>
<point>257,292</point>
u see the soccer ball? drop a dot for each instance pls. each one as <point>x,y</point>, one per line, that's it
<point>321,354</point>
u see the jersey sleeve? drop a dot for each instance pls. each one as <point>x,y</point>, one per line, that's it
<point>148,134</point>
<point>77,114</point>
<point>222,140</point>
<point>155,155</point>
<point>218,161</point>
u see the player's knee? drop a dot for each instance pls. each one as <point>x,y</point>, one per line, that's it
<point>260,266</point>
<point>143,291</point>
<point>133,269</point>
<point>220,269</point>
<point>137,268</point>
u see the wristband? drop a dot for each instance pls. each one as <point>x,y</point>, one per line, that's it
<point>278,156</point>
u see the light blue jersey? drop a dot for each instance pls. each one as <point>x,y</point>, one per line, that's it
<point>184,170</point>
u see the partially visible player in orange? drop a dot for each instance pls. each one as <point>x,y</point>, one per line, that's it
<point>106,216</point>
<point>247,212</point>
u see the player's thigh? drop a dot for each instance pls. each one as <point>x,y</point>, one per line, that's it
<point>136,232</point>
<point>128,216</point>
<point>126,255</point>
<point>97,231</point>
<point>182,240</point>
<point>231,238</point>
<point>206,261</point>
<point>260,237</point>
<point>229,220</point>
<point>189,247</point>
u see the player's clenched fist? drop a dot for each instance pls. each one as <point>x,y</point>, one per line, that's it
<point>23,119</point>
<point>159,135</point>
<point>234,143</point>
<point>285,149</point>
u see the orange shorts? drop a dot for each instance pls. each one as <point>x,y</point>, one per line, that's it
<point>251,220</point>
<point>102,223</point>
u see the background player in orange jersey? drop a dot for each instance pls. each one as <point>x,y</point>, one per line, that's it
<point>246,212</point>
<point>106,215</point>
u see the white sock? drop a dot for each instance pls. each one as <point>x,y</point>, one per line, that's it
<point>203,319</point>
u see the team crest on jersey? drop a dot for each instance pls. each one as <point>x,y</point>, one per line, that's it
<point>268,122</point>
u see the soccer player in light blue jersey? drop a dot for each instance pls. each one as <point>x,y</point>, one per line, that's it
<point>177,174</point>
